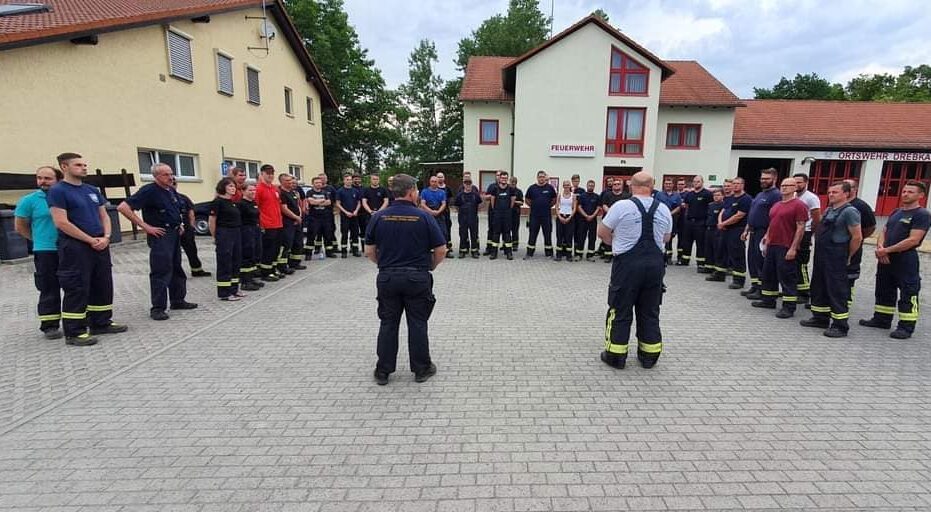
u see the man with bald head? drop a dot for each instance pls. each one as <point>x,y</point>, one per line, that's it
<point>163,224</point>
<point>637,230</point>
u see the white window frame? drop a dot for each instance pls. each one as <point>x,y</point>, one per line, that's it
<point>297,171</point>
<point>190,39</point>
<point>288,102</point>
<point>310,109</point>
<point>245,164</point>
<point>146,175</point>
<point>258,85</point>
<point>221,54</point>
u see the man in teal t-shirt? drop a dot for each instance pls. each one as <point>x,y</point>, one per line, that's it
<point>34,222</point>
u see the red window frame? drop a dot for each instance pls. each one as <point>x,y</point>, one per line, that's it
<point>623,71</point>
<point>823,173</point>
<point>682,127</point>
<point>481,132</point>
<point>620,142</point>
<point>893,178</point>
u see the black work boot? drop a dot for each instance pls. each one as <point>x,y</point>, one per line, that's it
<point>765,304</point>
<point>508,254</point>
<point>529,253</point>
<point>716,277</point>
<point>785,312</point>
<point>475,254</point>
<point>900,334</point>
<point>877,323</point>
<point>613,360</point>
<point>838,330</point>
<point>493,253</point>
<point>820,322</point>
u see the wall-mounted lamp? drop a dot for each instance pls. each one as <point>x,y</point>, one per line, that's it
<point>808,159</point>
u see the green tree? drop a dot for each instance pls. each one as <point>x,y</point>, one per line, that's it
<point>601,14</point>
<point>870,87</point>
<point>359,133</point>
<point>521,29</point>
<point>421,102</point>
<point>913,84</point>
<point>802,87</point>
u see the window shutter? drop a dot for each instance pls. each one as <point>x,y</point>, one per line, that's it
<point>252,78</point>
<point>225,74</point>
<point>179,52</point>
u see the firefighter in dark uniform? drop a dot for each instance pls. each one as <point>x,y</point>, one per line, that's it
<point>587,221</point>
<point>837,239</point>
<point>320,206</point>
<point>636,230</point>
<point>757,224</point>
<point>608,198</point>
<point>251,240</point>
<point>489,213</point>
<point>540,197</point>
<point>576,250</point>
<point>374,198</point>
<point>671,198</point>
<point>291,223</point>
<point>467,202</point>
<point>867,226</point>
<point>732,220</point>
<point>330,231</point>
<point>226,228</point>
<point>715,257</point>
<point>162,222</point>
<point>502,205</point>
<point>515,213</point>
<point>448,215</point>
<point>188,238</point>
<point>696,203</point>
<point>399,240</point>
<point>34,223</point>
<point>84,265</point>
<point>897,272</point>
<point>297,245</point>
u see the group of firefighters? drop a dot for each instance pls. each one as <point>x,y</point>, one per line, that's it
<point>264,231</point>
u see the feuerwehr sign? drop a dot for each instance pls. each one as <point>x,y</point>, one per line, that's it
<point>572,150</point>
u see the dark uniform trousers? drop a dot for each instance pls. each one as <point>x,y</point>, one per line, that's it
<point>736,254</point>
<point>488,231</point>
<point>713,252</point>
<point>86,280</point>
<point>829,293</point>
<point>364,218</point>
<point>46,278</point>
<point>329,233</point>
<point>853,273</point>
<point>536,224</point>
<point>251,242</point>
<point>288,230</point>
<point>166,275</point>
<point>675,233</point>
<point>802,260</point>
<point>189,245</point>
<point>565,233</point>
<point>408,291</point>
<point>296,255</point>
<point>755,257</point>
<point>693,232</point>
<point>443,220</point>
<point>779,272</point>
<point>500,230</point>
<point>899,278</point>
<point>468,232</point>
<point>636,289</point>
<point>229,257</point>
<point>515,227</point>
<point>585,229</point>
<point>349,233</point>
<point>271,245</point>
<point>316,234</point>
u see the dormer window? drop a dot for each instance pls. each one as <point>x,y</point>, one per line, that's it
<point>628,77</point>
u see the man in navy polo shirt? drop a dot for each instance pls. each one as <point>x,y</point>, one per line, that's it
<point>349,202</point>
<point>540,197</point>
<point>731,222</point>
<point>757,224</point>
<point>84,266</point>
<point>399,240</point>
<point>162,222</point>
<point>34,222</point>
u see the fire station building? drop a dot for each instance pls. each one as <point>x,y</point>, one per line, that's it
<point>593,102</point>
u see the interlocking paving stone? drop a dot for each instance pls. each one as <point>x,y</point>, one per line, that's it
<point>268,404</point>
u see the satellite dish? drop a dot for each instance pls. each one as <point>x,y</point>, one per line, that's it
<point>267,31</point>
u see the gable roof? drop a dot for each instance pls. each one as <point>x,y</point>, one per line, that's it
<point>71,19</point>
<point>483,80</point>
<point>693,86</point>
<point>833,124</point>
<point>603,25</point>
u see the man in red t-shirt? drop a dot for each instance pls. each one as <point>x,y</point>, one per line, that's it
<point>786,227</point>
<point>269,202</point>
<point>239,178</point>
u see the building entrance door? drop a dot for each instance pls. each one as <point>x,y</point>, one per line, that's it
<point>623,173</point>
<point>893,178</point>
<point>825,172</point>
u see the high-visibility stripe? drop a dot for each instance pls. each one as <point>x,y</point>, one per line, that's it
<point>282,261</point>
<point>754,280</point>
<point>769,293</point>
<point>265,267</point>
<point>73,316</point>
<point>297,257</point>
<point>234,280</point>
<point>221,284</point>
<point>886,310</point>
<point>805,285</point>
<point>612,348</point>
<point>789,298</point>
<point>840,316</point>
<point>98,309</point>
<point>738,274</point>
<point>686,257</point>
<point>548,247</point>
<point>820,309</point>
<point>198,269</point>
<point>492,244</point>
<point>910,316</point>
<point>650,348</point>
<point>507,245</point>
<point>531,246</point>
<point>49,318</point>
<point>700,260</point>
<point>244,270</point>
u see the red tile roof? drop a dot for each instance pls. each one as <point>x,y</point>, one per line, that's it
<point>70,19</point>
<point>833,124</point>
<point>693,85</point>
<point>483,80</point>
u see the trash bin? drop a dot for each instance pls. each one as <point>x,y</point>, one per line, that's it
<point>12,246</point>
<point>116,235</point>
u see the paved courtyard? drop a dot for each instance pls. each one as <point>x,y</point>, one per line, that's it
<point>269,404</point>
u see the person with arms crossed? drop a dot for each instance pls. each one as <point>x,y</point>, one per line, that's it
<point>467,203</point>
<point>783,235</point>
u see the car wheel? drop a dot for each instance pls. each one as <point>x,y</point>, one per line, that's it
<point>201,227</point>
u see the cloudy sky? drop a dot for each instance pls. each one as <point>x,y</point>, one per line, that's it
<point>744,43</point>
